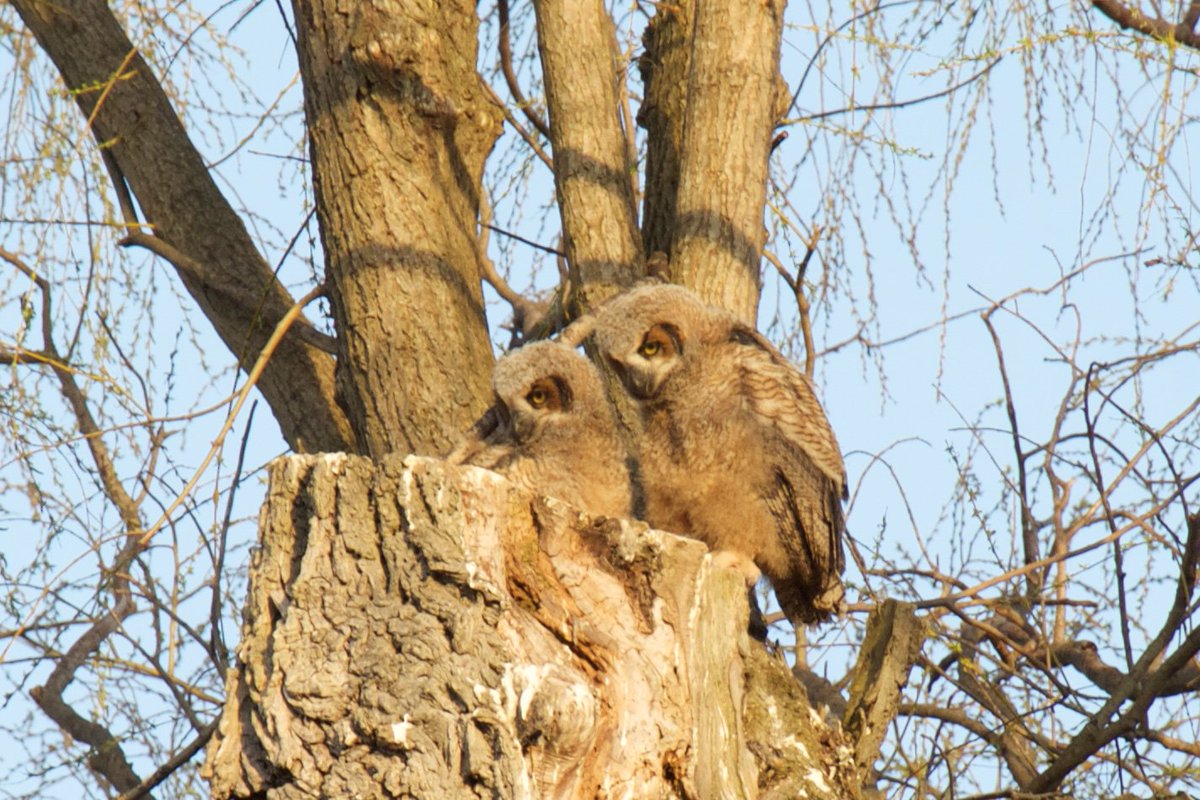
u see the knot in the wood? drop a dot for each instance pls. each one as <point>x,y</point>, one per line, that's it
<point>556,710</point>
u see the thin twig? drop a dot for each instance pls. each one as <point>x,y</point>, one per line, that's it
<point>198,272</point>
<point>897,104</point>
<point>252,377</point>
<point>796,284</point>
<point>1028,533</point>
<point>535,245</point>
<point>521,130</point>
<point>176,761</point>
<point>510,76</point>
<point>1118,555</point>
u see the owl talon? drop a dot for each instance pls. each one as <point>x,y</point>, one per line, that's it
<point>738,562</point>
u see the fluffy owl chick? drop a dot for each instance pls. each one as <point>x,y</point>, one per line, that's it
<point>735,450</point>
<point>552,431</point>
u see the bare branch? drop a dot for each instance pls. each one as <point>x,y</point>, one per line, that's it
<point>510,77</point>
<point>176,761</point>
<point>1133,19</point>
<point>107,758</point>
<point>133,119</point>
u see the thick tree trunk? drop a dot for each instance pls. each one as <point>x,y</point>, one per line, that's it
<point>708,144</point>
<point>415,629</point>
<point>400,126</point>
<point>149,152</point>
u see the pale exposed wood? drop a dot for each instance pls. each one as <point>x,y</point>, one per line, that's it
<point>152,153</point>
<point>420,628</point>
<point>400,125</point>
<point>591,165</point>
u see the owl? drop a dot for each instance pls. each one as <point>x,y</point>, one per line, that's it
<point>735,448</point>
<point>551,431</point>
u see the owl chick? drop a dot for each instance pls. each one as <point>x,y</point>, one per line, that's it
<point>735,449</point>
<point>551,431</point>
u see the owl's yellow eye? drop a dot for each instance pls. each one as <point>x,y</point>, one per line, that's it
<point>537,397</point>
<point>650,348</point>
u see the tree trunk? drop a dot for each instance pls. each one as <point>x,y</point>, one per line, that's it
<point>713,96</point>
<point>591,167</point>
<point>400,126</point>
<point>416,629</point>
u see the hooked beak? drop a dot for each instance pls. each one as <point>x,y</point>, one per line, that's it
<point>640,384</point>
<point>522,427</point>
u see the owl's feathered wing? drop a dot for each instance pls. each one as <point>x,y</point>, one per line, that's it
<point>808,480</point>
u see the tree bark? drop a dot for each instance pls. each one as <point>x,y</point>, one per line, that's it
<point>591,167</point>
<point>426,630</point>
<point>151,154</point>
<point>714,222</point>
<point>664,69</point>
<point>400,126</point>
<point>890,646</point>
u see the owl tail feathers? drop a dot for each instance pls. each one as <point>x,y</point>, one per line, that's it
<point>803,607</point>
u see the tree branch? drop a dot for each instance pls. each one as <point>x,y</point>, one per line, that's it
<point>107,758</point>
<point>1133,19</point>
<point>176,761</point>
<point>303,330</point>
<point>143,138</point>
<point>510,77</point>
<point>733,84</point>
<point>1143,687</point>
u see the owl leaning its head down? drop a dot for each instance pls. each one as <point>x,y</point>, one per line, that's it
<point>735,449</point>
<point>551,431</point>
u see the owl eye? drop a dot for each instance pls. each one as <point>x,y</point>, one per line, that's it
<point>650,348</point>
<point>537,397</point>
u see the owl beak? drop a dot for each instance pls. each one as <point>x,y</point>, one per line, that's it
<point>503,422</point>
<point>641,384</point>
<point>522,427</point>
<point>633,381</point>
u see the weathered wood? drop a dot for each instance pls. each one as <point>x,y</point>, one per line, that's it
<point>890,646</point>
<point>416,629</point>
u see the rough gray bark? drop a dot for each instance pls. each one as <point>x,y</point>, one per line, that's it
<point>400,126</point>
<point>149,154</point>
<point>591,167</point>
<point>714,222</point>
<point>426,630</point>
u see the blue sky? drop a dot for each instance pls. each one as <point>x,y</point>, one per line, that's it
<point>913,400</point>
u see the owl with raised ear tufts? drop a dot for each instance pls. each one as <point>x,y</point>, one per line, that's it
<point>735,449</point>
<point>551,431</point>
